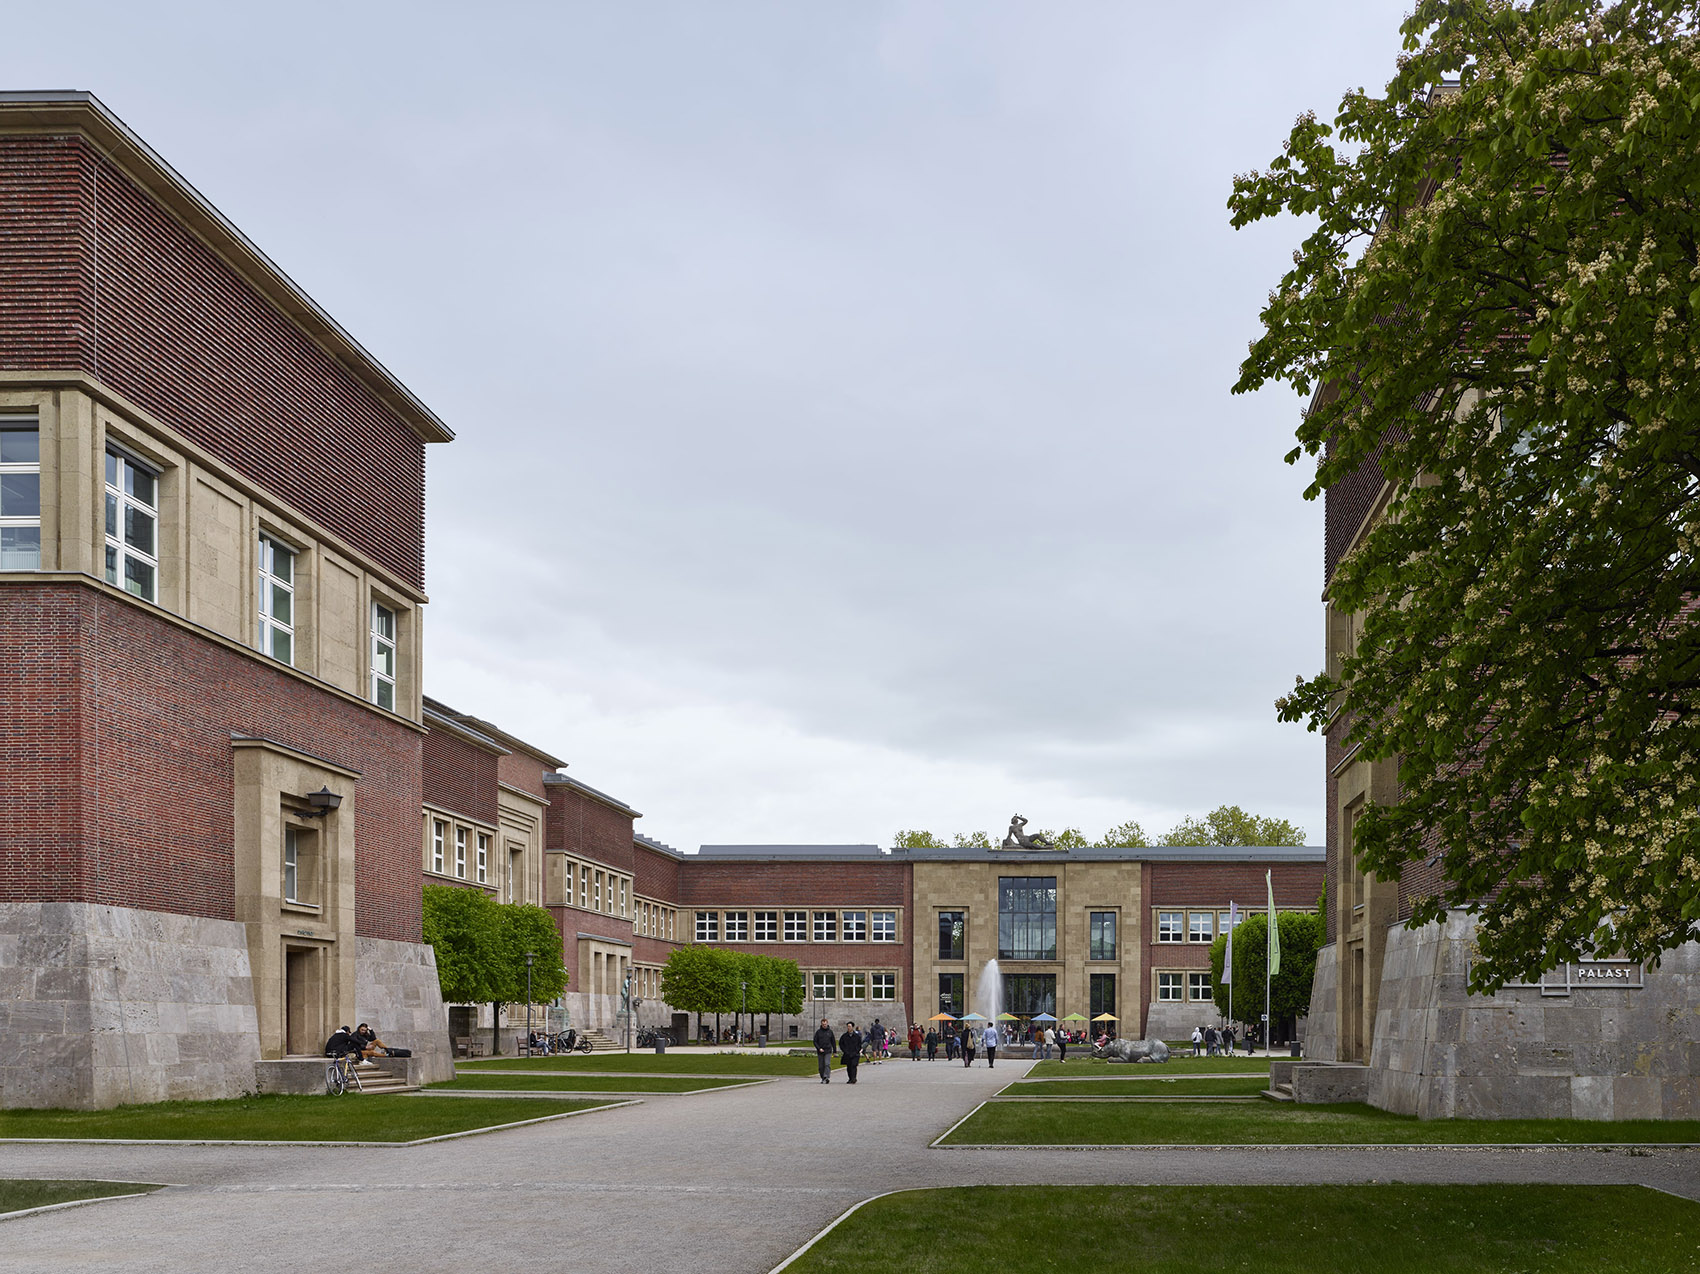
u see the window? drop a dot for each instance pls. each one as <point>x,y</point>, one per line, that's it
<point>383,656</point>
<point>1027,918</point>
<point>885,926</point>
<point>855,986</point>
<point>796,926</point>
<point>483,858</point>
<point>1102,994</point>
<point>737,926</point>
<point>460,852</point>
<point>516,874</point>
<point>583,886</point>
<point>1168,986</point>
<point>291,864</point>
<point>1029,994</point>
<point>823,986</point>
<point>1201,926</point>
<point>885,986</point>
<point>1198,987</point>
<point>826,926</point>
<point>1169,926</point>
<point>951,997</point>
<point>1102,945</point>
<point>596,891</point>
<point>767,926</point>
<point>132,524</point>
<point>622,895</point>
<point>708,926</point>
<point>672,918</point>
<point>439,830</point>
<point>20,496</point>
<point>277,600</point>
<point>855,926</point>
<point>953,935</point>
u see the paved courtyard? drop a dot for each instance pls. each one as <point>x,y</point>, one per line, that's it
<point>735,1179</point>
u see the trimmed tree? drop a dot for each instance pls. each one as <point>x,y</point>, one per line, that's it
<point>1302,936</point>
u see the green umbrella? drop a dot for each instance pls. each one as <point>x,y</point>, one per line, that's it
<point>1008,1017</point>
<point>1073,1017</point>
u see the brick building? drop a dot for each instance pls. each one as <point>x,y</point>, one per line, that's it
<point>211,576</point>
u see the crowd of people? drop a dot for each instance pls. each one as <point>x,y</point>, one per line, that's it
<point>1214,1041</point>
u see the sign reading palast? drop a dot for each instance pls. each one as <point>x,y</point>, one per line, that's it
<point>1625,975</point>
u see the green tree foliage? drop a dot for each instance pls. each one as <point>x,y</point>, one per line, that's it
<point>1230,825</point>
<point>699,979</point>
<point>971,840</point>
<point>1068,838</point>
<point>528,928</point>
<point>917,840</point>
<point>1499,301</point>
<point>1302,935</point>
<point>480,947</point>
<point>1128,835</point>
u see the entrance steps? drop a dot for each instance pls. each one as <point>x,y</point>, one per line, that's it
<point>600,1040</point>
<point>1317,1083</point>
<point>374,1079</point>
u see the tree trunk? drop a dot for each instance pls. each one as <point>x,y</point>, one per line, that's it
<point>495,1030</point>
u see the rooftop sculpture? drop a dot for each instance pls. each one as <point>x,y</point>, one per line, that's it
<point>1019,839</point>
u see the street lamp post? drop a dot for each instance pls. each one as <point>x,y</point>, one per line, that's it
<point>530,959</point>
<point>743,1002</point>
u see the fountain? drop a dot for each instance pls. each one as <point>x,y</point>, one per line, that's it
<point>988,991</point>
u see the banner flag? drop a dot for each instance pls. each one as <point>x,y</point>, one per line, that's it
<point>1228,955</point>
<point>1274,929</point>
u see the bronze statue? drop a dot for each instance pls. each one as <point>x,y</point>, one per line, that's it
<point>1019,839</point>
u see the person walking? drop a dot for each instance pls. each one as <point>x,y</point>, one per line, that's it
<point>967,1048</point>
<point>932,1044</point>
<point>850,1045</point>
<point>1197,1040</point>
<point>825,1043</point>
<point>1062,1046</point>
<point>991,1040</point>
<point>916,1039</point>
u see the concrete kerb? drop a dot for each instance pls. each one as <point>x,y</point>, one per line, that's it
<point>559,1094</point>
<point>360,1145</point>
<point>1448,1147</point>
<point>75,1203</point>
<point>1130,1097</point>
<point>840,1219</point>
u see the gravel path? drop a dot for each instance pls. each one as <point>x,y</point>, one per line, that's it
<point>739,1178</point>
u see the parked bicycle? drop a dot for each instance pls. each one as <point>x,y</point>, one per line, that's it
<point>340,1072</point>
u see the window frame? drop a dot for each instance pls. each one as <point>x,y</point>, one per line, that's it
<point>795,926</point>
<point>379,680</point>
<point>882,981</point>
<point>1164,931</point>
<point>270,583</point>
<point>882,926</point>
<point>1023,930</point>
<point>853,985</point>
<point>823,984</point>
<point>1095,938</point>
<point>1192,918</point>
<point>708,926</point>
<point>460,852</point>
<point>1193,977</point>
<point>740,919</point>
<point>292,865</point>
<point>18,469</point>
<point>823,922</point>
<point>481,864</point>
<point>858,919</point>
<point>1174,978</point>
<point>118,503</point>
<point>958,947</point>
<point>439,846</point>
<point>764,926</point>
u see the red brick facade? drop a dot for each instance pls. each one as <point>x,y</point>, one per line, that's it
<point>459,776</point>
<point>578,823</point>
<point>185,337</point>
<point>117,739</point>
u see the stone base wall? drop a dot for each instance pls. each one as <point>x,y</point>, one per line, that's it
<point>396,990</point>
<point>103,1006</point>
<point>1606,1051</point>
<point>1322,1026</point>
<point>1167,1020</point>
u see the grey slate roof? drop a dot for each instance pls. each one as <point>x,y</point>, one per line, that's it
<point>790,853</point>
<point>1266,854</point>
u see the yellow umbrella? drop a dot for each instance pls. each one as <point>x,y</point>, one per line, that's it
<point>1106,1017</point>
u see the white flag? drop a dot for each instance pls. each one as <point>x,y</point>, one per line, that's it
<point>1228,955</point>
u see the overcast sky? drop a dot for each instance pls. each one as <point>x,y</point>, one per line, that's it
<point>845,442</point>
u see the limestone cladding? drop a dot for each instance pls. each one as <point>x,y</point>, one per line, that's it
<point>396,990</point>
<point>102,1006</point>
<point>1322,1025</point>
<point>103,774</point>
<point>1611,1050</point>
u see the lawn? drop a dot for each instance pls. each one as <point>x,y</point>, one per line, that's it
<point>1269,1123</point>
<point>650,1063</point>
<point>1372,1229</point>
<point>1207,1086</point>
<point>18,1194</point>
<point>470,1081</point>
<point>284,1118</point>
<point>1078,1066</point>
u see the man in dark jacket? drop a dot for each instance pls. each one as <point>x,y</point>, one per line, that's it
<point>340,1042</point>
<point>932,1044</point>
<point>850,1045</point>
<point>825,1043</point>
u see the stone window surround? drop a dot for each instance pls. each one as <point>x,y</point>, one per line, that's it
<point>26,423</point>
<point>583,895</point>
<point>456,826</point>
<point>1161,979</point>
<point>1115,914</point>
<point>838,976</point>
<point>80,418</point>
<point>1192,986</point>
<point>788,918</point>
<point>663,919</point>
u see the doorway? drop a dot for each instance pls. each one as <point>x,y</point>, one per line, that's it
<point>303,1028</point>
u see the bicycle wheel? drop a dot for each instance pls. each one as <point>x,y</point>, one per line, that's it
<point>584,1046</point>
<point>335,1081</point>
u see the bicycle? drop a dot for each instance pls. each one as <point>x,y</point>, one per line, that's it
<point>339,1073</point>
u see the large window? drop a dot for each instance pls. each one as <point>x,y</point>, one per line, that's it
<point>277,601</point>
<point>132,526</point>
<point>383,656</point>
<point>708,926</point>
<point>885,986</point>
<point>1200,926</point>
<point>1029,994</point>
<point>737,926</point>
<point>855,986</point>
<point>483,858</point>
<point>1169,926</point>
<point>855,926</point>
<point>291,864</point>
<point>20,496</point>
<point>951,996</point>
<point>885,926</point>
<point>1169,986</point>
<point>1198,987</point>
<point>583,886</point>
<point>823,986</point>
<point>826,926</point>
<point>439,833</point>
<point>796,926</point>
<point>767,926</point>
<point>1027,918</point>
<point>1103,994</point>
<point>953,935</point>
<point>1102,945</point>
<point>460,852</point>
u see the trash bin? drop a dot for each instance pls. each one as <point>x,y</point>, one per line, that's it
<point>1295,1052</point>
<point>660,1042</point>
<point>761,1040</point>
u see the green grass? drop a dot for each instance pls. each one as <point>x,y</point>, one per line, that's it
<point>1373,1229</point>
<point>585,1083</point>
<point>650,1063</point>
<point>1267,1123</point>
<point>284,1118</point>
<point>1207,1086</point>
<point>16,1195</point>
<point>1174,1066</point>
